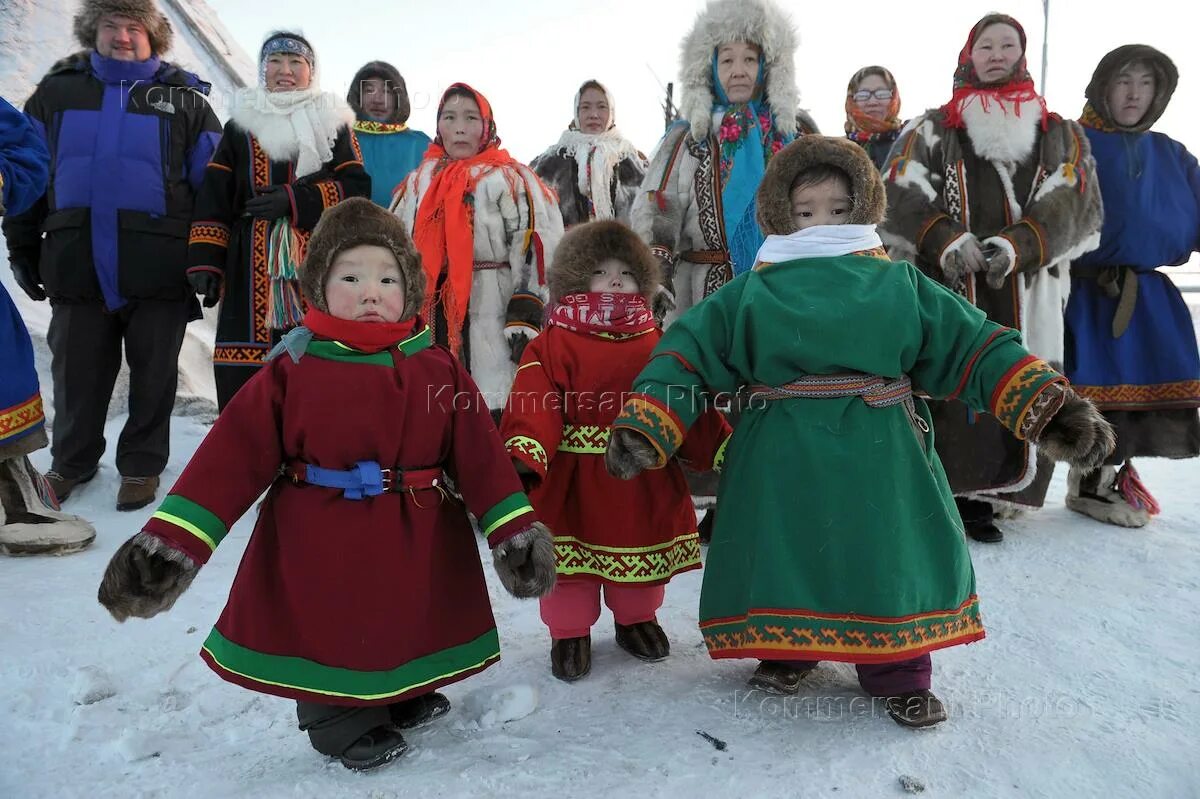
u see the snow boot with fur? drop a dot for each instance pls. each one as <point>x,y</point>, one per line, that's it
<point>571,658</point>
<point>644,640</point>
<point>30,521</point>
<point>1097,493</point>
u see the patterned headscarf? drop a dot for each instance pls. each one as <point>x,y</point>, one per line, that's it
<point>969,88</point>
<point>861,126</point>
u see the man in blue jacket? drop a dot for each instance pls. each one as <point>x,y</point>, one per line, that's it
<point>129,137</point>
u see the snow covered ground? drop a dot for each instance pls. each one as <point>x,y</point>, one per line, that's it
<point>1086,686</point>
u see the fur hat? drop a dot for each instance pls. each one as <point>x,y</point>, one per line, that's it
<point>1166,78</point>
<point>158,27</point>
<point>590,244</point>
<point>763,24</point>
<point>350,223</point>
<point>392,79</point>
<point>774,193</point>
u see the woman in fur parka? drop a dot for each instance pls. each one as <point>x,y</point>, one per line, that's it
<point>738,107</point>
<point>622,539</point>
<point>595,170</point>
<point>486,227</point>
<point>994,196</point>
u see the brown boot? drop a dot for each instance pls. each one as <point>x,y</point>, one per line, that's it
<point>571,658</point>
<point>916,709</point>
<point>644,640</point>
<point>776,677</point>
<point>136,492</point>
<point>63,486</point>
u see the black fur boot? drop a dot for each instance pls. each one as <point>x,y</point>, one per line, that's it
<point>776,677</point>
<point>916,709</point>
<point>644,640</point>
<point>571,658</point>
<point>419,710</point>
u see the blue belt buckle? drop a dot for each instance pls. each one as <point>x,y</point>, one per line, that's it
<point>370,480</point>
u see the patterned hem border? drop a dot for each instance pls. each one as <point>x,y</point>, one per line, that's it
<point>1161,396</point>
<point>842,657</point>
<point>641,565</point>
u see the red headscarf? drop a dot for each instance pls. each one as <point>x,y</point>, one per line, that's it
<point>969,88</point>
<point>444,232</point>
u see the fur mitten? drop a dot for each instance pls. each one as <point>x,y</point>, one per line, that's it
<point>518,340</point>
<point>144,578</point>
<point>1078,434</point>
<point>663,302</point>
<point>1001,260</point>
<point>629,454</point>
<point>525,563</point>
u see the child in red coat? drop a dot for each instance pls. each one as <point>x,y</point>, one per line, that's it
<point>623,539</point>
<point>360,592</point>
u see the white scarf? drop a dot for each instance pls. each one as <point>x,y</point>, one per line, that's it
<point>604,152</point>
<point>301,125</point>
<point>822,241</point>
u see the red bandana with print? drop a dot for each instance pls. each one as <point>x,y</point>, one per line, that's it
<point>603,312</point>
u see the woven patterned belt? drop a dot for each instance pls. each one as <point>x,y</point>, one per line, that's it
<point>705,256</point>
<point>584,439</point>
<point>876,391</point>
<point>480,265</point>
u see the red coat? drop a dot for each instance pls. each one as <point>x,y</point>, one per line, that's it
<point>569,388</point>
<point>342,601</point>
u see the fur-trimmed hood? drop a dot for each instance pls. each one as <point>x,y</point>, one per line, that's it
<point>392,79</point>
<point>774,193</point>
<point>760,22</point>
<point>589,244</point>
<point>158,27</point>
<point>353,222</point>
<point>1166,78</point>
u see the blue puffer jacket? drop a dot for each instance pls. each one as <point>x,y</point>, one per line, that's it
<point>128,145</point>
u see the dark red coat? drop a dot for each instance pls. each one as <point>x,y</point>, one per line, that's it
<point>336,600</point>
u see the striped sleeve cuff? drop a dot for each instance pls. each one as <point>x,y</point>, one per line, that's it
<point>188,527</point>
<point>507,517</point>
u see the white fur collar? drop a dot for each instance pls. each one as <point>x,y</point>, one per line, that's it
<point>606,151</point>
<point>999,133</point>
<point>299,126</point>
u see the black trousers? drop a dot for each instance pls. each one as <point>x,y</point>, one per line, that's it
<point>333,728</point>
<point>86,342</point>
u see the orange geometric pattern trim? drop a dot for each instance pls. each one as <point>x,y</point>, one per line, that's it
<point>1181,394</point>
<point>239,355</point>
<point>209,233</point>
<point>260,283</point>
<point>22,417</point>
<point>1018,389</point>
<point>331,193</point>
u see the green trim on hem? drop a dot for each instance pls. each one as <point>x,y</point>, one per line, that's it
<point>300,674</point>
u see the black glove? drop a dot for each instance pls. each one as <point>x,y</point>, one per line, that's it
<point>207,285</point>
<point>271,202</point>
<point>28,278</point>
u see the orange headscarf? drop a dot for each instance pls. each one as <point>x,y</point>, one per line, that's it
<point>444,232</point>
<point>859,124</point>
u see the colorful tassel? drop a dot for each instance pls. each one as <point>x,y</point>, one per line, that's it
<point>285,251</point>
<point>1134,491</point>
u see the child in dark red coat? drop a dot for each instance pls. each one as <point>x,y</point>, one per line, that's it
<point>360,592</point>
<point>625,539</point>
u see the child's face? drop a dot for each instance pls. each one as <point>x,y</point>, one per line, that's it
<point>364,284</point>
<point>461,127</point>
<point>614,277</point>
<point>826,203</point>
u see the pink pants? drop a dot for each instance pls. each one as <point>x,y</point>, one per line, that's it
<point>573,606</point>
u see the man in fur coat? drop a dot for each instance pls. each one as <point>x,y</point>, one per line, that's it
<point>129,137</point>
<point>994,196</point>
<point>29,518</point>
<point>390,149</point>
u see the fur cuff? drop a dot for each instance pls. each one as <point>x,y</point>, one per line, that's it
<point>154,545</point>
<point>954,245</point>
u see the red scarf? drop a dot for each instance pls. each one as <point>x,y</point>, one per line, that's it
<point>969,88</point>
<point>861,126</point>
<point>603,312</point>
<point>362,336</point>
<point>444,232</point>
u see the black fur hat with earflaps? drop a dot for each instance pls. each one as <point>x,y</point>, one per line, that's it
<point>158,27</point>
<point>353,222</point>
<point>807,152</point>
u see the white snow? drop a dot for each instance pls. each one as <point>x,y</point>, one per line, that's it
<point>1085,686</point>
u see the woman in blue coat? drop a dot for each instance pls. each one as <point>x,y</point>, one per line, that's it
<point>1130,342</point>
<point>29,518</point>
